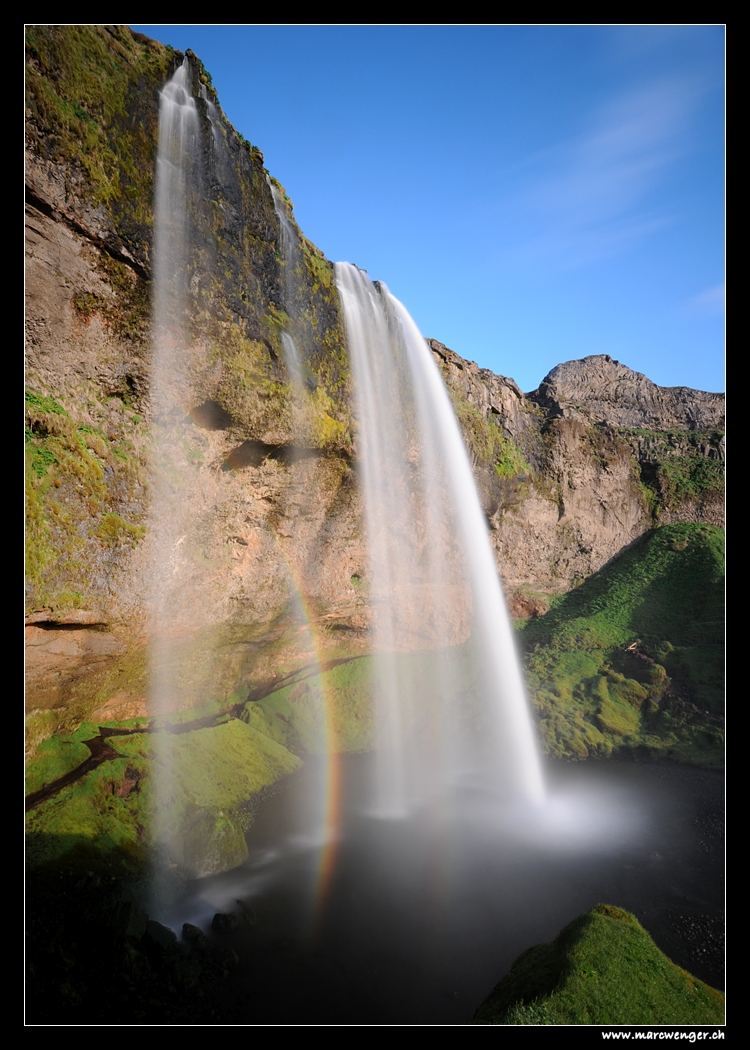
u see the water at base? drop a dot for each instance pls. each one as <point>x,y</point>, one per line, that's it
<point>418,931</point>
<point>461,710</point>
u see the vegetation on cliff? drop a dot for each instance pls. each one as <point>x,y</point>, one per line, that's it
<point>91,99</point>
<point>85,497</point>
<point>604,969</point>
<point>679,469</point>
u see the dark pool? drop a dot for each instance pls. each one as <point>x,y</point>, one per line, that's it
<point>421,917</point>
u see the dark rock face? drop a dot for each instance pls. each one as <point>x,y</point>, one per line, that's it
<point>601,390</point>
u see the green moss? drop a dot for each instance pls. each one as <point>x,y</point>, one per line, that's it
<point>86,304</point>
<point>77,480</point>
<point>40,724</point>
<point>674,468</point>
<point>88,817</point>
<point>249,389</point>
<point>683,478</point>
<point>91,98</point>
<point>509,460</point>
<point>479,434</point>
<point>604,969</point>
<point>330,711</point>
<point>487,444</point>
<point>39,405</point>
<point>207,776</point>
<point>665,597</point>
<point>215,766</point>
<point>113,530</point>
<point>56,756</point>
<point>617,718</point>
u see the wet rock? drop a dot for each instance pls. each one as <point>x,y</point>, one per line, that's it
<point>210,843</point>
<point>159,935</point>
<point>129,782</point>
<point>196,938</point>
<point>227,958</point>
<point>130,920</point>
<point>225,923</point>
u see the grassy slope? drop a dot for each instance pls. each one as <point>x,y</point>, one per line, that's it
<point>666,595</point>
<point>603,968</point>
<point>219,768</point>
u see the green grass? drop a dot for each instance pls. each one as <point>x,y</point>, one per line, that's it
<point>213,773</point>
<point>593,697</point>
<point>326,712</point>
<point>605,969</point>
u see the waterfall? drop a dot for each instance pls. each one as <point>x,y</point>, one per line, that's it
<point>175,179</point>
<point>290,263</point>
<point>176,171</point>
<point>178,130</point>
<point>447,688</point>
<point>448,691</point>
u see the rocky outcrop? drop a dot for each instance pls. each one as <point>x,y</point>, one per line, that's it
<point>495,397</point>
<point>600,390</point>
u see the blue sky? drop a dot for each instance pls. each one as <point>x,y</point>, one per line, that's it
<point>532,194</point>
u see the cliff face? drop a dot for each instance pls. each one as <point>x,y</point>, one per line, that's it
<point>573,472</point>
<point>569,475</point>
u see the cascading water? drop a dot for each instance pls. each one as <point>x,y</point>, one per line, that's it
<point>290,259</point>
<point>360,919</point>
<point>449,696</point>
<point>175,180</point>
<point>324,812</point>
<point>447,688</point>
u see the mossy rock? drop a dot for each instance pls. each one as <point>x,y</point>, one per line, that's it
<point>636,653</point>
<point>208,843</point>
<point>187,792</point>
<point>602,969</point>
<point>197,774</point>
<point>326,712</point>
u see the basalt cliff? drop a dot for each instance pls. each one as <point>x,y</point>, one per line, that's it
<point>570,475</point>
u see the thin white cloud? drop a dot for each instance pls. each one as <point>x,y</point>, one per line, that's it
<point>708,303</point>
<point>598,194</point>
